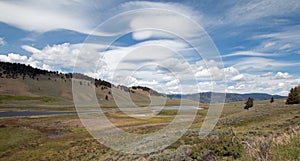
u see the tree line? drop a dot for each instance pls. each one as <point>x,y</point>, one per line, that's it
<point>18,70</point>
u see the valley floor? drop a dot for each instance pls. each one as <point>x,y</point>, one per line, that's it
<point>266,132</point>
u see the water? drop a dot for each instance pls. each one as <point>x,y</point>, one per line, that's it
<point>35,113</point>
<point>158,108</point>
<point>43,113</point>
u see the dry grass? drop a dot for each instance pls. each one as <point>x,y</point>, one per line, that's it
<point>60,136</point>
<point>271,148</point>
<point>259,149</point>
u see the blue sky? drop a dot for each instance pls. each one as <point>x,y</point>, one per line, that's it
<point>172,46</point>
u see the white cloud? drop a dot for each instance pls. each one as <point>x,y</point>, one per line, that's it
<point>239,77</point>
<point>153,20</point>
<point>288,34</point>
<point>11,57</point>
<point>286,40</point>
<point>245,13</point>
<point>168,25</point>
<point>281,75</point>
<point>2,42</point>
<point>203,73</point>
<point>230,71</point>
<point>160,55</point>
<point>206,86</point>
<point>34,17</point>
<point>16,58</point>
<point>173,83</point>
<point>247,53</point>
<point>213,72</point>
<point>30,49</point>
<point>269,44</point>
<point>268,74</point>
<point>176,66</point>
<point>173,7</point>
<point>240,87</point>
<point>209,69</point>
<point>132,81</point>
<point>269,83</point>
<point>60,56</point>
<point>260,64</point>
<point>43,16</point>
<point>286,47</point>
<point>282,93</point>
<point>167,78</point>
<point>281,84</point>
<point>85,17</point>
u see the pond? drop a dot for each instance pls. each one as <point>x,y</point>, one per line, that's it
<point>44,113</point>
<point>158,108</point>
<point>35,113</point>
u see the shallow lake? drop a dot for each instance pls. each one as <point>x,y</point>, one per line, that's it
<point>43,113</point>
<point>34,113</point>
<point>158,108</point>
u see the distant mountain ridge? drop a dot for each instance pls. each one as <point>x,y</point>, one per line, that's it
<point>205,97</point>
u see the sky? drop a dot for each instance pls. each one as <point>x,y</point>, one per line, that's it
<point>189,46</point>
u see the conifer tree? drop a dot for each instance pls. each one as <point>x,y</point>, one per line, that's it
<point>294,96</point>
<point>249,103</point>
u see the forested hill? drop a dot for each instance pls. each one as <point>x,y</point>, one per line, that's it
<point>23,80</point>
<point>17,70</point>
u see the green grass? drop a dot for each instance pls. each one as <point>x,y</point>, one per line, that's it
<point>290,151</point>
<point>10,98</point>
<point>168,112</point>
<point>27,138</point>
<point>13,138</point>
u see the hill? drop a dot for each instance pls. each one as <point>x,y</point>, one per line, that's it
<point>32,83</point>
<point>205,97</point>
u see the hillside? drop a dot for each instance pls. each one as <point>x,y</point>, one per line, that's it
<point>23,80</point>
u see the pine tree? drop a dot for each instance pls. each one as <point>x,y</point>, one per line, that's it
<point>294,96</point>
<point>290,98</point>
<point>249,103</point>
<point>298,95</point>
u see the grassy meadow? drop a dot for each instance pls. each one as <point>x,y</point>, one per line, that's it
<point>265,132</point>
